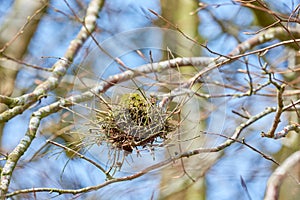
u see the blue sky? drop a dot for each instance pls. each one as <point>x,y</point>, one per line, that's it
<point>52,38</point>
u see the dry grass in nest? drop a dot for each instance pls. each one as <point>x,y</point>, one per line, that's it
<point>134,122</point>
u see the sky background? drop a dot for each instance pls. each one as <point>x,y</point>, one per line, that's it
<point>51,40</point>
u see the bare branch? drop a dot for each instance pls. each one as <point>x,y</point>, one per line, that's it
<point>60,67</point>
<point>278,176</point>
<point>59,70</point>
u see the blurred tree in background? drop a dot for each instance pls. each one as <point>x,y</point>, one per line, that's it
<point>149,100</point>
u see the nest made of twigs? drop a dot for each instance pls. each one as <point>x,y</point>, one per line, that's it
<point>135,121</point>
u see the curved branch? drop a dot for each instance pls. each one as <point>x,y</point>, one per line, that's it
<point>60,67</point>
<point>35,122</point>
<point>59,70</point>
<point>276,179</point>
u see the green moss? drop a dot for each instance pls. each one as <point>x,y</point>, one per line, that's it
<point>135,121</point>
<point>138,108</point>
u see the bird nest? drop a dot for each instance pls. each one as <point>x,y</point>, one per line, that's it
<point>135,121</point>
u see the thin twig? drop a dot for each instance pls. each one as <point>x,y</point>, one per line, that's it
<point>81,156</point>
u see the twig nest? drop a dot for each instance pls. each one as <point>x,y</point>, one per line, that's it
<point>135,121</point>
